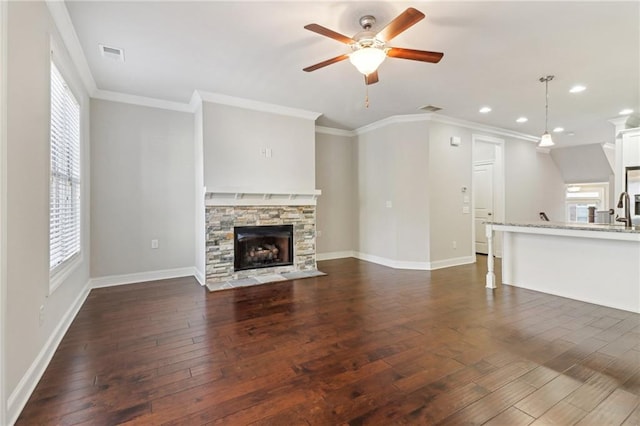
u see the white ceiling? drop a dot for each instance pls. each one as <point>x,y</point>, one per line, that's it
<point>494,54</point>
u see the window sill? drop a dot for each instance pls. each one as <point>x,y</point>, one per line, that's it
<point>62,271</point>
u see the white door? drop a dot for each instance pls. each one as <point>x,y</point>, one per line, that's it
<point>483,202</point>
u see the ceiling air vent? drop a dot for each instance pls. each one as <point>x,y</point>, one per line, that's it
<point>430,108</point>
<point>110,52</point>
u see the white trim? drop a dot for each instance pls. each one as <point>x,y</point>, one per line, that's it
<point>126,98</point>
<point>391,263</point>
<point>61,272</point>
<point>455,261</point>
<point>32,376</point>
<point>235,197</point>
<point>335,132</point>
<point>483,127</point>
<point>138,277</point>
<point>334,255</point>
<point>3,205</point>
<point>195,102</point>
<point>62,20</point>
<point>394,119</point>
<point>444,119</point>
<point>199,276</point>
<point>218,98</point>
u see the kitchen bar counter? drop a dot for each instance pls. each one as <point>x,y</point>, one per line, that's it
<point>589,262</point>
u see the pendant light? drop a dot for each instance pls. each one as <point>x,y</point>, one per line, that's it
<point>546,140</point>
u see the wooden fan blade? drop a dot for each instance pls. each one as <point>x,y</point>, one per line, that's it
<point>401,23</point>
<point>371,78</point>
<point>415,55</point>
<point>325,63</point>
<point>329,33</point>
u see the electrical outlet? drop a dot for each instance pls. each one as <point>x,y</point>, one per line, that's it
<point>319,233</point>
<point>154,244</point>
<point>454,245</point>
<point>389,204</point>
<point>41,315</point>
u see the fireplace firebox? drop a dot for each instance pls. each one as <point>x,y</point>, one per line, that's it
<point>257,247</point>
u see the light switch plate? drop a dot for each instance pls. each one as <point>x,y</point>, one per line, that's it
<point>455,140</point>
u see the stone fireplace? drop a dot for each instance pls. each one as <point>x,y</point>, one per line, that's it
<point>246,235</point>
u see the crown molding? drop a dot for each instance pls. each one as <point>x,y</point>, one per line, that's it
<point>218,98</point>
<point>394,119</point>
<point>195,102</point>
<point>125,98</point>
<point>335,132</point>
<point>445,119</point>
<point>62,20</point>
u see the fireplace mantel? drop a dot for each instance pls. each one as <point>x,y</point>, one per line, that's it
<point>238,197</point>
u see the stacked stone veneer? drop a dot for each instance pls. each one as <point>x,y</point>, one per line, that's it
<point>221,220</point>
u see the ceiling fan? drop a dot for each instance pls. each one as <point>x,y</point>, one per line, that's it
<point>369,49</point>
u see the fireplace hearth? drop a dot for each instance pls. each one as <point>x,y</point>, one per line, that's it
<point>258,247</point>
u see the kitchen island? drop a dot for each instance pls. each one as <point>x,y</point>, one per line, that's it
<point>589,262</point>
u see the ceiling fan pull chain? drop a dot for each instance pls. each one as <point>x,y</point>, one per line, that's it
<point>366,96</point>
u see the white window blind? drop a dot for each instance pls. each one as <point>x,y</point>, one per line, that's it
<point>64,189</point>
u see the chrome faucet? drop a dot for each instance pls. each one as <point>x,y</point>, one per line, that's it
<point>627,209</point>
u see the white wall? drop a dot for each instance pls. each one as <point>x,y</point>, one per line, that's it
<point>450,169</point>
<point>29,343</point>
<point>142,188</point>
<point>413,165</point>
<point>583,163</point>
<point>234,139</point>
<point>392,163</point>
<point>336,178</point>
<point>532,184</point>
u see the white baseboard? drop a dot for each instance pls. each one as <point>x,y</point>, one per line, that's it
<point>19,397</point>
<point>391,263</point>
<point>199,275</point>
<point>420,266</point>
<point>138,277</point>
<point>456,261</point>
<point>334,255</point>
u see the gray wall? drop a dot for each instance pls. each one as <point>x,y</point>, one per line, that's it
<point>414,166</point>
<point>533,184</point>
<point>29,30</point>
<point>233,142</point>
<point>336,177</point>
<point>142,187</point>
<point>583,163</point>
<point>392,167</point>
<point>450,169</point>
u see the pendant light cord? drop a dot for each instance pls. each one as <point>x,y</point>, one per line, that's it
<point>546,81</point>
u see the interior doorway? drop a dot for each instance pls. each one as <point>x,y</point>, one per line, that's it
<point>488,189</point>
<point>482,202</point>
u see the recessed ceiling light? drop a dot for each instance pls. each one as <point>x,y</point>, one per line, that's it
<point>485,109</point>
<point>571,134</point>
<point>626,111</point>
<point>522,120</point>
<point>577,88</point>
<point>558,130</point>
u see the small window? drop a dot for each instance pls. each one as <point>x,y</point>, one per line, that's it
<point>64,181</point>
<point>579,197</point>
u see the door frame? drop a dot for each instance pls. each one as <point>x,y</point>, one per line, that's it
<point>473,204</point>
<point>3,206</point>
<point>498,188</point>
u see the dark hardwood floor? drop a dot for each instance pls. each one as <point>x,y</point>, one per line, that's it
<point>364,345</point>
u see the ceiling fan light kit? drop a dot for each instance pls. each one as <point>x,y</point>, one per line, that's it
<point>370,49</point>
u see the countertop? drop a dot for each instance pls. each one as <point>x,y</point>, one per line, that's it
<point>572,226</point>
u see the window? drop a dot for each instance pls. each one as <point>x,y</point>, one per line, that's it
<point>580,197</point>
<point>64,181</point>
